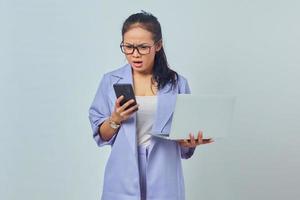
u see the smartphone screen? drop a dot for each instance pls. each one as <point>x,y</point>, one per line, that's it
<point>126,90</point>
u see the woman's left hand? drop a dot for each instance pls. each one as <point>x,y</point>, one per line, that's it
<point>192,142</point>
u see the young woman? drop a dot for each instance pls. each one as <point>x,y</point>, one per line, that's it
<point>141,166</point>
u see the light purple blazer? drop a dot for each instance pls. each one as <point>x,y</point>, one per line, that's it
<point>164,171</point>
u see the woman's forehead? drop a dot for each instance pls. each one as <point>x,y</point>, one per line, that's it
<point>138,34</point>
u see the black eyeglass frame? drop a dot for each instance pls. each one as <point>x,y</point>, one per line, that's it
<point>136,48</point>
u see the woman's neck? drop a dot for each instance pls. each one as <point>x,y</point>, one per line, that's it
<point>143,84</point>
<point>142,75</point>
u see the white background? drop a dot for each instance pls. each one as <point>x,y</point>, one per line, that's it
<point>53,54</point>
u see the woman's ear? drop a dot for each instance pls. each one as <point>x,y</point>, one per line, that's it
<point>158,46</point>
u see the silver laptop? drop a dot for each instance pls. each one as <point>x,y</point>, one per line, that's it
<point>211,114</point>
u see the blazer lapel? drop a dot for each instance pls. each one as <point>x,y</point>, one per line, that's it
<point>165,107</point>
<point>124,75</point>
<point>164,112</point>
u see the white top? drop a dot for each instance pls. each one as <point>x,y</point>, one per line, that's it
<point>145,118</point>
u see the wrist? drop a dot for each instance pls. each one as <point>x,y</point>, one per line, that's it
<point>113,124</point>
<point>115,119</point>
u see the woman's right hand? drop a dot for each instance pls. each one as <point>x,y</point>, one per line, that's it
<point>122,113</point>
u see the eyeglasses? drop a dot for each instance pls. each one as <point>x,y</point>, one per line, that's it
<point>142,49</point>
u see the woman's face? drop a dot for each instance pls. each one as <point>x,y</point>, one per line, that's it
<point>139,37</point>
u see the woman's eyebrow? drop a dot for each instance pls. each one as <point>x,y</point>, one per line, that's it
<point>144,43</point>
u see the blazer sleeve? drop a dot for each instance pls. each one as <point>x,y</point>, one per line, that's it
<point>100,111</point>
<point>185,89</point>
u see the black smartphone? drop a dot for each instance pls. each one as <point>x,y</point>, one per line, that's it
<point>126,90</point>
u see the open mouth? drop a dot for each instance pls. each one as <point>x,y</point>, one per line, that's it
<point>138,63</point>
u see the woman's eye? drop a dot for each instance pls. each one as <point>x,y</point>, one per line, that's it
<point>143,47</point>
<point>128,47</point>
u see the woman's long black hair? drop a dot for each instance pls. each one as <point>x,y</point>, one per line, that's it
<point>162,74</point>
